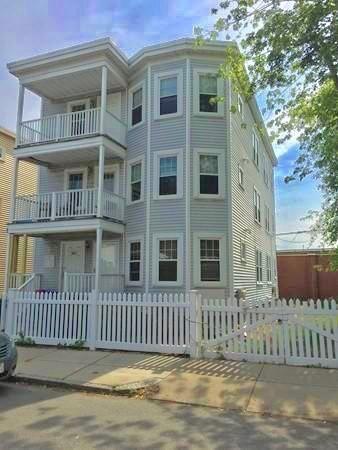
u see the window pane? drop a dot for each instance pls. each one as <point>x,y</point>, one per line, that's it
<point>208,84</point>
<point>209,184</point>
<point>167,271</point>
<point>137,98</point>
<point>205,103</point>
<point>135,251</point>
<point>135,172</point>
<point>209,164</point>
<point>210,271</point>
<point>168,105</point>
<point>168,186</point>
<point>136,191</point>
<point>136,115</point>
<point>75,181</point>
<point>168,249</point>
<point>109,182</point>
<point>168,87</point>
<point>209,248</point>
<point>134,271</point>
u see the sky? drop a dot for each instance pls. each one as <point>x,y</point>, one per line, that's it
<point>30,27</point>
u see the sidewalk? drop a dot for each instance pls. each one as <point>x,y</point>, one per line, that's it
<point>261,388</point>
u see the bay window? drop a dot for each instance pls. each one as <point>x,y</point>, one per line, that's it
<point>167,259</point>
<point>208,89</point>
<point>135,177</point>
<point>209,173</point>
<point>136,105</point>
<point>168,174</point>
<point>259,267</point>
<point>168,94</point>
<point>209,260</point>
<point>134,260</point>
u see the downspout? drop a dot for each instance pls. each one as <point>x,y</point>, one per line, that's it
<point>147,271</point>
<point>187,178</point>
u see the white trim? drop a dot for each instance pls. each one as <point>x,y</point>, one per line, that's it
<point>196,97</point>
<point>187,177</point>
<point>229,186</point>
<point>110,168</point>
<point>157,78</point>
<point>241,171</point>
<point>167,236</point>
<point>197,237</point>
<point>86,101</point>
<point>255,149</point>
<point>221,173</point>
<point>67,172</point>
<point>132,89</point>
<point>62,254</point>
<point>130,163</point>
<point>148,164</point>
<point>259,256</point>
<point>240,106</point>
<point>130,240</point>
<point>179,176</point>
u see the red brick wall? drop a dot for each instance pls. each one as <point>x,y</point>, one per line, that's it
<point>298,278</point>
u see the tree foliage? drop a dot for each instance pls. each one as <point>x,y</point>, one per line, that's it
<point>290,52</point>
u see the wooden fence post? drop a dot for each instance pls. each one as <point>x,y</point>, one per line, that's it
<point>93,297</point>
<point>10,311</point>
<point>195,324</point>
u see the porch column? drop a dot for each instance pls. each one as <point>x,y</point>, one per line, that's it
<point>14,184</point>
<point>103,97</point>
<point>98,259</point>
<point>100,182</point>
<point>19,113</point>
<point>8,263</point>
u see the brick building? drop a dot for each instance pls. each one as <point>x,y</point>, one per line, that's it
<point>304,274</point>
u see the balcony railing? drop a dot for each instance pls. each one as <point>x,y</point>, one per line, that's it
<point>71,125</point>
<point>24,281</point>
<point>85,282</point>
<point>66,205</point>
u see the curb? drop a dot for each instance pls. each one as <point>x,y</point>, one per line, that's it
<point>130,389</point>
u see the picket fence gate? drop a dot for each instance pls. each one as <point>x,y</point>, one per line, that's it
<point>277,331</point>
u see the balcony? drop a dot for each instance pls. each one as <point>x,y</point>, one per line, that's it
<point>72,125</point>
<point>65,205</point>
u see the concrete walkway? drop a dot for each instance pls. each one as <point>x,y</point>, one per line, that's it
<point>262,388</point>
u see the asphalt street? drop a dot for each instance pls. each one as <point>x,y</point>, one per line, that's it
<point>44,418</point>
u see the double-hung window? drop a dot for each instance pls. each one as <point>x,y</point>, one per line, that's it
<point>240,106</point>
<point>134,260</point>
<point>257,206</point>
<point>135,168</point>
<point>268,269</point>
<point>167,259</point>
<point>255,149</point>
<point>267,218</point>
<point>168,93</point>
<point>208,90</point>
<point>210,260</point>
<point>136,101</point>
<point>241,177</point>
<point>259,267</point>
<point>168,173</point>
<point>209,173</point>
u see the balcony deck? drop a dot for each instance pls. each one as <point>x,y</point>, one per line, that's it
<point>69,126</point>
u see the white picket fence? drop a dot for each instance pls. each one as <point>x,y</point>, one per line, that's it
<point>277,331</point>
<point>293,332</point>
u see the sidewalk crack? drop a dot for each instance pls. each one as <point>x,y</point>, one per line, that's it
<point>254,387</point>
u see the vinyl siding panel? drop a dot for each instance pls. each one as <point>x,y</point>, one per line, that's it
<point>243,209</point>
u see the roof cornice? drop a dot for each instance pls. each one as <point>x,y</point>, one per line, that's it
<point>7,132</point>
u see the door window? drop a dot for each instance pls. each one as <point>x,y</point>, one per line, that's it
<point>75,181</point>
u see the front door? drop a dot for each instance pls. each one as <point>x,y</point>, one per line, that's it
<point>73,257</point>
<point>110,265</point>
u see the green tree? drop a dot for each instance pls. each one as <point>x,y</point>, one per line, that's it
<point>290,52</point>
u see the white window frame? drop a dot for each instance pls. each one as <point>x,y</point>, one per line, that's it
<point>268,269</point>
<point>179,177</point>
<point>78,102</point>
<point>265,170</point>
<point>196,92</point>
<point>241,177</point>
<point>67,172</point>
<point>134,88</point>
<point>240,106</point>
<point>267,222</point>
<point>156,258</point>
<point>111,168</point>
<point>157,78</point>
<point>255,149</point>
<point>221,173</point>
<point>242,243</point>
<point>197,237</point>
<point>130,240</point>
<point>257,195</point>
<point>259,266</point>
<point>130,163</point>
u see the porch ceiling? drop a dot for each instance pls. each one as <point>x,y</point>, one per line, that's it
<point>77,83</point>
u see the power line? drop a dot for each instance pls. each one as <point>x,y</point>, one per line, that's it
<point>293,232</point>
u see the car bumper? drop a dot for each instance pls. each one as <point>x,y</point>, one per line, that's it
<point>8,364</point>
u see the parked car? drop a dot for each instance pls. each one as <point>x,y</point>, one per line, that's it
<point>8,356</point>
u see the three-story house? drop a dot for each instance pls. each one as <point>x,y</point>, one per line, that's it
<point>144,183</point>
